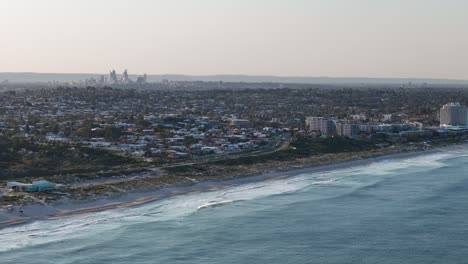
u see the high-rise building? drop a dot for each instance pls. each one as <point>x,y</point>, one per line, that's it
<point>453,114</point>
<point>323,125</point>
<point>113,77</point>
<point>125,79</point>
<point>347,130</point>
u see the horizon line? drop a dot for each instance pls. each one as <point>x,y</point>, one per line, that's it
<point>247,75</point>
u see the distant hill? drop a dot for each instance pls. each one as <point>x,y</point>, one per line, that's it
<point>29,77</point>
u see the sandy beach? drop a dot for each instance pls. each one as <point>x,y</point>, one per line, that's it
<point>131,199</point>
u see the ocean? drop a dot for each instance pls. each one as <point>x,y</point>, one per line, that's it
<point>412,210</point>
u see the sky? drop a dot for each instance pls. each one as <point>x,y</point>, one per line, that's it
<point>333,38</point>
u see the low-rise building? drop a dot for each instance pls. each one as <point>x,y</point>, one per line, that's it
<point>240,123</point>
<point>36,186</point>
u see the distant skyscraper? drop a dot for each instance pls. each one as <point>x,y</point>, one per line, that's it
<point>142,79</point>
<point>125,79</point>
<point>113,77</point>
<point>453,114</point>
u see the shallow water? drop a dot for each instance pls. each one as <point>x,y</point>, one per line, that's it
<point>413,210</point>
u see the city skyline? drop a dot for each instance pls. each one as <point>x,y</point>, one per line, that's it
<point>376,39</point>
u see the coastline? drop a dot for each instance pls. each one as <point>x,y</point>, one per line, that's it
<point>138,198</point>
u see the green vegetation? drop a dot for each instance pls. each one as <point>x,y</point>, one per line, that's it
<point>307,147</point>
<point>20,158</point>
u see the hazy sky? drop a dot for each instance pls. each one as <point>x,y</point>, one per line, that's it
<point>359,38</point>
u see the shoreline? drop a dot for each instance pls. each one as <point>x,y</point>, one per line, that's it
<point>139,198</point>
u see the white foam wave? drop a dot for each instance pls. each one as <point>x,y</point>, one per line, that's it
<point>385,167</point>
<point>42,232</point>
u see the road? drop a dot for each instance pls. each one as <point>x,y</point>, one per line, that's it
<point>284,141</point>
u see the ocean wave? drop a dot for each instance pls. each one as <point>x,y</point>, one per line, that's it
<point>212,204</point>
<point>385,167</point>
<point>52,231</point>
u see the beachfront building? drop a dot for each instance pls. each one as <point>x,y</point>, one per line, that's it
<point>321,124</point>
<point>37,186</point>
<point>347,130</point>
<point>453,114</point>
